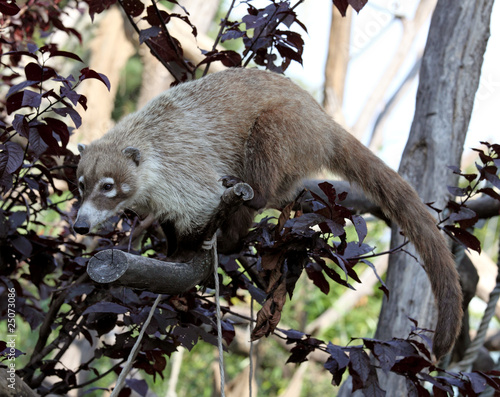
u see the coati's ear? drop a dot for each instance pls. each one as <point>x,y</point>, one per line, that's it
<point>133,153</point>
<point>81,148</point>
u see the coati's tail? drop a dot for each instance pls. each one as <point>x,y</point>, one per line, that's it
<point>400,203</point>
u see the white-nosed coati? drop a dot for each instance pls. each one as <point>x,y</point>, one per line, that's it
<point>167,158</point>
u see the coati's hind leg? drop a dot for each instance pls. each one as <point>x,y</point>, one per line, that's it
<point>168,228</point>
<point>234,229</point>
<point>182,248</point>
<point>262,170</point>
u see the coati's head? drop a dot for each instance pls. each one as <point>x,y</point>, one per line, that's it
<point>108,182</point>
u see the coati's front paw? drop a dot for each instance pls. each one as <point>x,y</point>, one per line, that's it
<point>229,180</point>
<point>209,244</point>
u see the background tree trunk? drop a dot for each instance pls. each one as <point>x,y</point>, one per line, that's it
<point>109,39</point>
<point>336,64</point>
<point>449,78</point>
<point>156,78</point>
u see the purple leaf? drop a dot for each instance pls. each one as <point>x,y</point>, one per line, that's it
<point>65,54</point>
<point>98,6</point>
<point>465,217</point>
<point>315,274</point>
<point>15,156</point>
<point>35,72</point>
<point>17,218</point>
<point>59,128</point>
<point>464,237</point>
<point>382,287</point>
<point>77,120</point>
<point>493,179</point>
<point>106,307</point>
<point>359,368</point>
<point>20,53</point>
<point>385,355</point>
<point>490,192</point>
<point>138,385</point>
<point>357,4</point>
<point>149,33</point>
<point>353,250</point>
<point>14,102</point>
<point>9,8</point>
<point>477,381</point>
<point>341,6</point>
<point>87,73</point>
<point>37,144</point>
<point>228,58</point>
<point>232,34</point>
<point>22,245</point>
<point>32,99</point>
<point>329,191</point>
<point>67,92</point>
<point>20,124</point>
<point>360,226</point>
<point>20,86</point>
<point>134,8</point>
<point>457,191</point>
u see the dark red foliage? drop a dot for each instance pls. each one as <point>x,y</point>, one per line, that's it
<point>463,219</point>
<point>343,4</point>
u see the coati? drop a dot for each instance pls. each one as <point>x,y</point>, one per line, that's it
<point>167,159</point>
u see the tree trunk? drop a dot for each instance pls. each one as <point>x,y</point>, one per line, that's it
<point>156,78</point>
<point>110,51</point>
<point>336,64</point>
<point>449,78</point>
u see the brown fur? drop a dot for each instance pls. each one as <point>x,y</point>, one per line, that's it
<point>262,128</point>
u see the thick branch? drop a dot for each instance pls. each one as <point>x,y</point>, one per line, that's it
<point>355,199</point>
<point>113,266</point>
<point>12,385</point>
<point>484,206</point>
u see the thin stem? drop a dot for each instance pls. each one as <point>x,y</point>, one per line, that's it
<point>273,26</point>
<point>135,349</point>
<point>170,39</point>
<point>151,48</point>
<point>219,35</point>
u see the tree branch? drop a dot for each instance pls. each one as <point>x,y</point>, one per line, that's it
<point>484,206</point>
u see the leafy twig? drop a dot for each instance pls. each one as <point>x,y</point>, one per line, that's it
<point>219,34</point>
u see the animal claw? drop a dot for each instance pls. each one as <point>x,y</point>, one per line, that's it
<point>229,180</point>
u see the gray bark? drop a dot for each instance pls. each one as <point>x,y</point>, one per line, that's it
<point>140,272</point>
<point>449,78</point>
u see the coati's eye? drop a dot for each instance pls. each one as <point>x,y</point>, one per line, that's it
<point>81,186</point>
<point>107,187</point>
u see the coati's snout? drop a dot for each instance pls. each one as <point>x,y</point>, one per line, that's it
<point>81,227</point>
